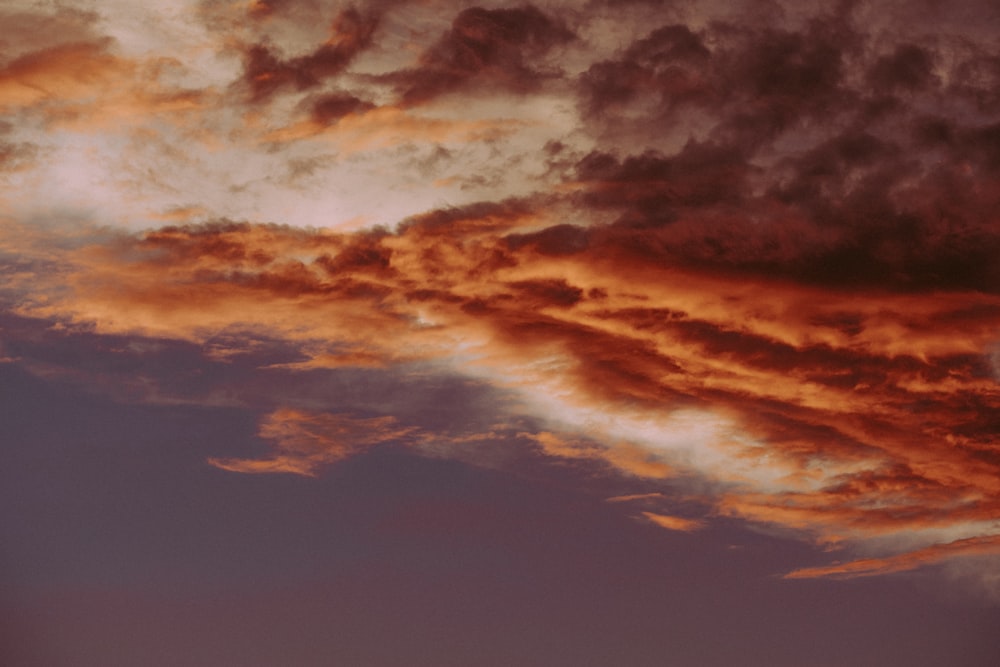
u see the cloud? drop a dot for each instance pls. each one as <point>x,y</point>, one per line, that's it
<point>489,47</point>
<point>330,108</point>
<point>909,66</point>
<point>842,414</point>
<point>62,72</point>
<point>673,522</point>
<point>76,78</point>
<point>911,560</point>
<point>34,31</point>
<point>633,496</point>
<point>622,456</point>
<point>16,156</point>
<point>353,127</point>
<point>667,61</point>
<point>305,442</point>
<point>754,258</point>
<point>266,73</point>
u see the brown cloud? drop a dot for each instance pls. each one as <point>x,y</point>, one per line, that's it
<point>804,150</point>
<point>751,83</point>
<point>909,66</point>
<point>265,73</point>
<point>671,61</point>
<point>492,47</point>
<point>850,215</point>
<point>29,31</point>
<point>330,108</point>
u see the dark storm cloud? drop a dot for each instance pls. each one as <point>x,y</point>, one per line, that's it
<point>492,47</point>
<point>789,74</point>
<point>909,66</point>
<point>753,83</point>
<point>672,63</point>
<point>652,188</point>
<point>827,155</point>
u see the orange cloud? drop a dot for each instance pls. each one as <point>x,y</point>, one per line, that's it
<point>673,522</point>
<point>64,72</point>
<point>305,441</point>
<point>910,560</point>
<point>180,214</point>
<point>810,334</point>
<point>86,86</point>
<point>624,456</point>
<point>843,414</point>
<point>385,127</point>
<point>633,496</point>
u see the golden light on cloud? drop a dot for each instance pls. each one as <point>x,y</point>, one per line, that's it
<point>67,72</point>
<point>304,442</point>
<point>798,423</point>
<point>911,560</point>
<point>673,522</point>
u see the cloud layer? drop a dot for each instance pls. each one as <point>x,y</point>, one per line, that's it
<point>750,257</point>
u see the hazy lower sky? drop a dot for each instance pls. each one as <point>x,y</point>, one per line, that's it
<point>424,332</point>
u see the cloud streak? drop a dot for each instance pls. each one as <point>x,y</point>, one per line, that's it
<point>868,567</point>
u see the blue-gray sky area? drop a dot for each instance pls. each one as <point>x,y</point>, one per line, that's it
<point>439,333</point>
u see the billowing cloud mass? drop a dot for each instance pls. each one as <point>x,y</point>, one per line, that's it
<point>748,255</point>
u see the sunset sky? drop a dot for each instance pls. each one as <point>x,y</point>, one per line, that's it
<point>434,333</point>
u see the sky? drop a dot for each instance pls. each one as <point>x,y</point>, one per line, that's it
<point>428,332</point>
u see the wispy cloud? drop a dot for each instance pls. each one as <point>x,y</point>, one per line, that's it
<point>673,522</point>
<point>304,442</point>
<point>911,560</point>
